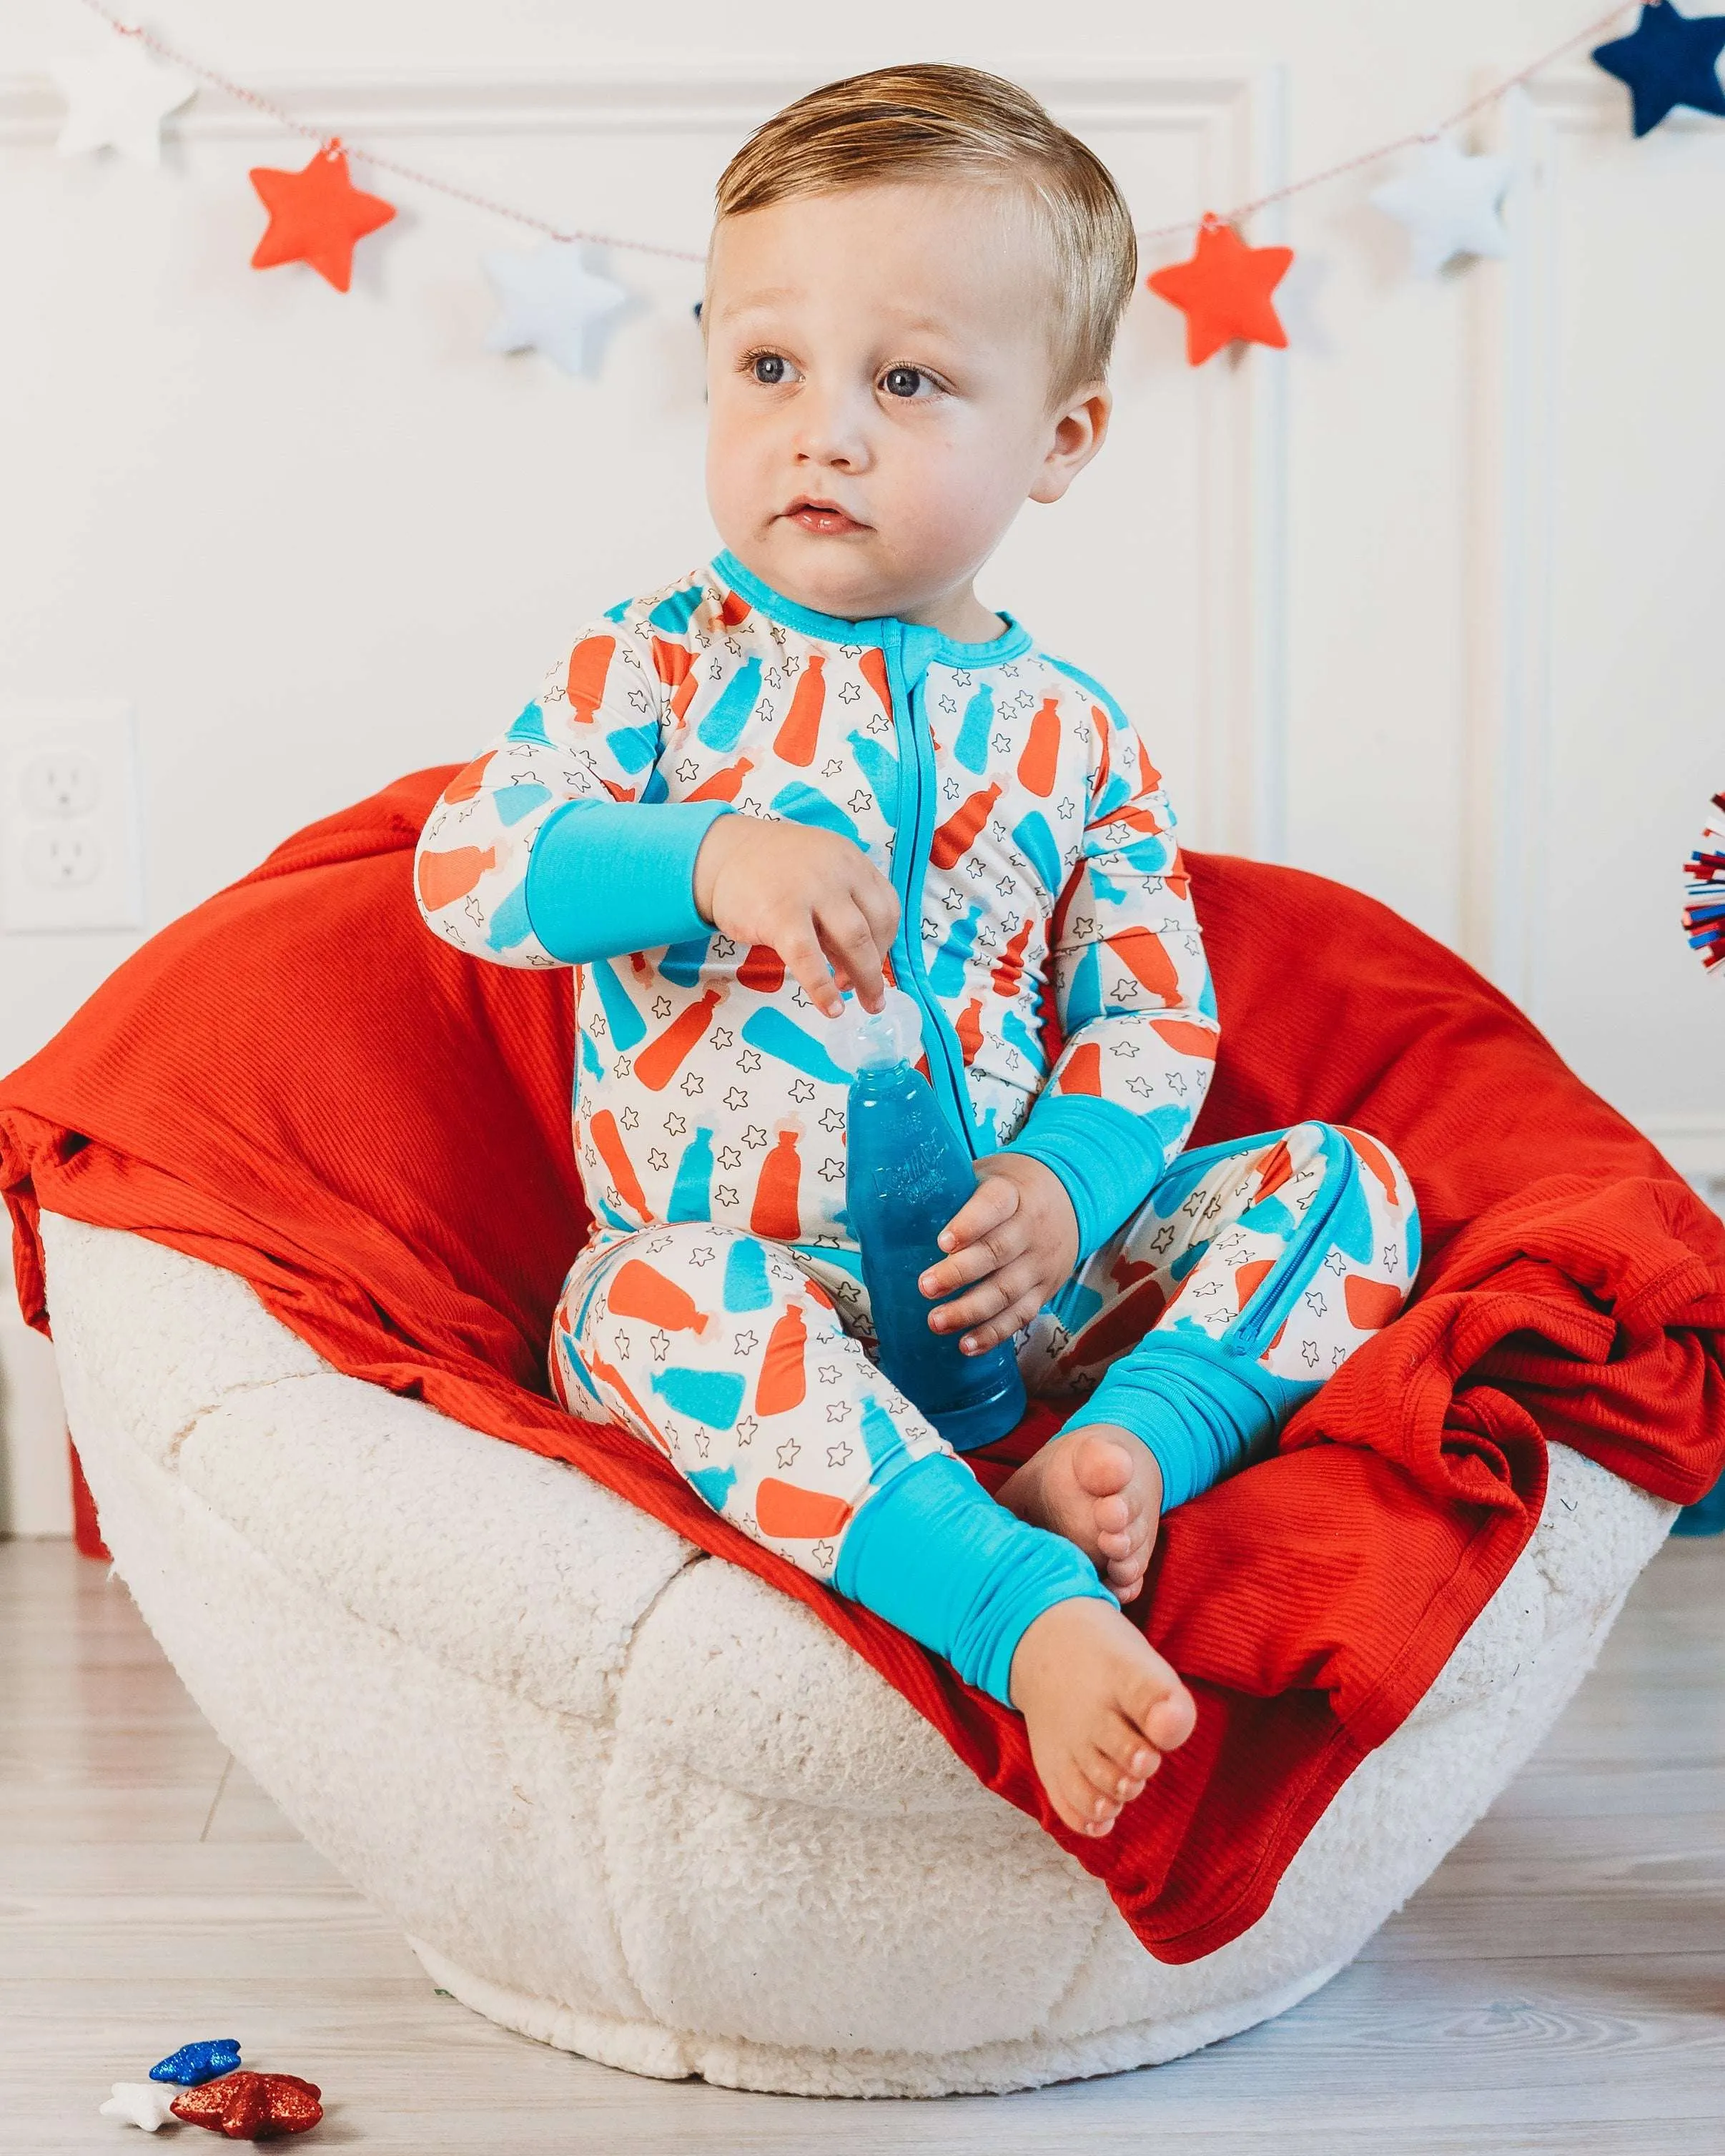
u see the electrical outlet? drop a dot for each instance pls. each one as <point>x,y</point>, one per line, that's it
<point>68,817</point>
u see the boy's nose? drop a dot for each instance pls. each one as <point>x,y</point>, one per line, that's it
<point>830,432</point>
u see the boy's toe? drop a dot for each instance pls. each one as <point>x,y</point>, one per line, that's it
<point>1103,1469</point>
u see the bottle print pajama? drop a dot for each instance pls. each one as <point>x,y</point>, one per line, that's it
<point>1279,1256</point>
<point>719,1310</point>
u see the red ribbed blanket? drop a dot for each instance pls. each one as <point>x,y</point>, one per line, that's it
<point>298,1083</point>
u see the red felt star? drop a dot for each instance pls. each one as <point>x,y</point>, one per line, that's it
<point>1224,290</point>
<point>315,216</point>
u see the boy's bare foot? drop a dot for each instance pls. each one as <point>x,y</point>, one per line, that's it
<point>1101,1707</point>
<point>1099,1487</point>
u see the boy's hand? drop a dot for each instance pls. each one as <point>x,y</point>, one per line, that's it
<point>1017,1239</point>
<point>814,897</point>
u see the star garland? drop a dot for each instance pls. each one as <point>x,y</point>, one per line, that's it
<point>557,300</point>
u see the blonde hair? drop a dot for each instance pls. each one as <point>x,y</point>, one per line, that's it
<point>929,120</point>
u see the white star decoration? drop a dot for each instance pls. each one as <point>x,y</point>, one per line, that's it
<point>1449,203</point>
<point>553,302</point>
<point>117,99</point>
<point>148,2104</point>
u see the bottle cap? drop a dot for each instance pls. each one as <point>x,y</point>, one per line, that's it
<point>874,1040</point>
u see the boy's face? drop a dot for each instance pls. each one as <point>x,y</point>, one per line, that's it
<point>879,372</point>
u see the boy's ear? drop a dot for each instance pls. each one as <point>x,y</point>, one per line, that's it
<point>1080,427</point>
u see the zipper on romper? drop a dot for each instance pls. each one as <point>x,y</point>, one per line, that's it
<point>910,871</point>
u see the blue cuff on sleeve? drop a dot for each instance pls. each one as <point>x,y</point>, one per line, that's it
<point>609,877</point>
<point>1204,1412</point>
<point>1108,1158</point>
<point>934,1554</point>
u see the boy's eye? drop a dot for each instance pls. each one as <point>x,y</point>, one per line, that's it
<point>768,367</point>
<point>902,380</point>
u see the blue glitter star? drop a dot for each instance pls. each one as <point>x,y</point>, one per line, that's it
<point>193,2064</point>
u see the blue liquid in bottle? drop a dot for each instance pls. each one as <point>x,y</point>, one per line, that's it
<point>908,1173</point>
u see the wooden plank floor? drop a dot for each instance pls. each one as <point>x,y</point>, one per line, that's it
<point>1559,1986</point>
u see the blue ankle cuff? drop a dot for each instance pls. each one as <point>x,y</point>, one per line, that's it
<point>934,1554</point>
<point>1203,1412</point>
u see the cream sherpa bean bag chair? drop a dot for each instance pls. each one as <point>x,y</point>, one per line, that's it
<point>633,1801</point>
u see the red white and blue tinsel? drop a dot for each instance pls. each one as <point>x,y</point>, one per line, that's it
<point>1704,874</point>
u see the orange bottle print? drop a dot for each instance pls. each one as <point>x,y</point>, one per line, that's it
<point>1010,968</point>
<point>1190,1040</point>
<point>800,737</point>
<point>1082,1073</point>
<point>724,785</point>
<point>969,1029</point>
<point>589,663</point>
<point>465,786</point>
<point>775,1213</point>
<point>762,969</point>
<point>952,840</point>
<point>639,1290</point>
<point>659,1061</point>
<point>445,877</point>
<point>1036,765</point>
<point>642,1422</point>
<point>608,1140</point>
<point>676,668</point>
<point>1145,953</point>
<point>782,1385</point>
<point>1248,1279</point>
<point>786,1513</point>
<point>873,664</point>
<point>734,610</point>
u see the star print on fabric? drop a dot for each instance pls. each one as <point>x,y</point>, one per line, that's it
<point>1142,1086</point>
<point>829,1373</point>
<point>1002,744</point>
<point>788,1452</point>
<point>737,1100</point>
<point>949,789</point>
<point>658,1160</point>
<point>693,1083</point>
<point>725,1194</point>
<point>1006,886</point>
<point>630,1120</point>
<point>801,1089</point>
<point>660,1341</point>
<point>746,1428</point>
<point>822,1553</point>
<point>860,802</point>
<point>754,1136</point>
<point>639,700</point>
<point>620,1068</point>
<point>675,1125</point>
<point>730,1155</point>
<point>316,216</point>
<point>1315,1302</point>
<point>661,1006</point>
<point>832,1171</point>
<point>749,1062</point>
<point>702,1255</point>
<point>963,680</point>
<point>703,1441</point>
<point>849,692</point>
<point>832,1119</point>
<point>621,1346</point>
<point>1392,1256</point>
<point>1308,1353</point>
<point>746,1343</point>
<point>1177,1084</point>
<point>838,1411</point>
<point>722,1038</point>
<point>878,723</point>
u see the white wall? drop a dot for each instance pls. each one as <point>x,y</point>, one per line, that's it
<point>1426,604</point>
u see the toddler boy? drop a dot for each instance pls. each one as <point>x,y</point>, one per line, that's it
<point>821,762</point>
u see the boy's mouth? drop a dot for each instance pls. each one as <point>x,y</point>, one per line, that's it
<point>823,517</point>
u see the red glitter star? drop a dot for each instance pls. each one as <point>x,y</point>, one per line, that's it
<point>248,2106</point>
<point>315,216</point>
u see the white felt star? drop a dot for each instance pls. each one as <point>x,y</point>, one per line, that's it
<point>1449,203</point>
<point>117,98</point>
<point>148,2104</point>
<point>553,303</point>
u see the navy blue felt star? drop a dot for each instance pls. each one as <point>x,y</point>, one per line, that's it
<point>1668,59</point>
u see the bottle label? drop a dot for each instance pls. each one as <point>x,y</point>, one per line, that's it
<point>917,1178</point>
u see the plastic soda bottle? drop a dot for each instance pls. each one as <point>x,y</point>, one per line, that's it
<point>907,1173</point>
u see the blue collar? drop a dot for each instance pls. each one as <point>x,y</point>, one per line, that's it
<point>929,646</point>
